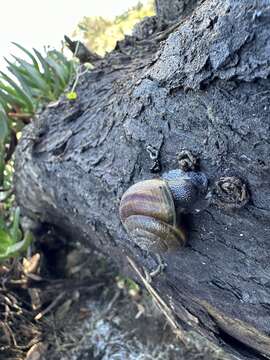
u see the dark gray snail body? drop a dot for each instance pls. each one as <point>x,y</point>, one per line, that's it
<point>151,210</point>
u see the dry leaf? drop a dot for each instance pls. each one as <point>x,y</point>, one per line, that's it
<point>37,352</point>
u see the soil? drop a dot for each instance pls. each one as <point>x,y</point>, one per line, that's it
<point>118,321</point>
<point>70,303</point>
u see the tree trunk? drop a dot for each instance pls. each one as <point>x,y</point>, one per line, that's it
<point>172,10</point>
<point>204,88</point>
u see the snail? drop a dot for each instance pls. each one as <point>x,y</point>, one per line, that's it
<point>151,210</point>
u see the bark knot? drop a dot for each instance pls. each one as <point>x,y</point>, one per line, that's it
<point>230,192</point>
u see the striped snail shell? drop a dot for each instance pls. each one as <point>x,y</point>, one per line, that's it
<point>150,210</point>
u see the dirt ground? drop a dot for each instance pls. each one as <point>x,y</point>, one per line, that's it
<point>70,303</point>
<point>65,302</point>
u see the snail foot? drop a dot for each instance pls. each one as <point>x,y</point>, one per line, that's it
<point>157,271</point>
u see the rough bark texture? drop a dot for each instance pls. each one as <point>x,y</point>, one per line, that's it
<point>206,89</point>
<point>172,10</point>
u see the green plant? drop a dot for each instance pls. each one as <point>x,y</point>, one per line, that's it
<point>12,241</point>
<point>25,88</point>
<point>4,132</point>
<point>128,284</point>
<point>31,84</point>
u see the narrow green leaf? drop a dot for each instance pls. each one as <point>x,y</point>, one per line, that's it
<point>15,229</point>
<point>58,70</point>
<point>4,130</point>
<point>20,92</point>
<point>57,87</point>
<point>22,77</point>
<point>28,53</point>
<point>35,75</point>
<point>71,69</point>
<point>4,106</point>
<point>28,85</point>
<point>14,249</point>
<point>13,100</point>
<point>7,88</point>
<point>2,224</point>
<point>46,67</point>
<point>5,240</point>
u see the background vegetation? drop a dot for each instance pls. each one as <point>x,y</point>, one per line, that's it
<point>25,88</point>
<point>27,85</point>
<point>100,34</point>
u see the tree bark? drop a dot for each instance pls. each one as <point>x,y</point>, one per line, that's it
<point>204,88</point>
<point>172,10</point>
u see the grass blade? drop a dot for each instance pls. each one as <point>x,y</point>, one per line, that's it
<point>35,76</point>
<point>58,70</point>
<point>13,250</point>
<point>27,99</point>
<point>13,101</point>
<point>46,67</point>
<point>22,77</point>
<point>35,63</point>
<point>4,132</point>
<point>15,229</point>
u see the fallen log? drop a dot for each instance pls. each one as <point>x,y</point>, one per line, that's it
<point>203,85</point>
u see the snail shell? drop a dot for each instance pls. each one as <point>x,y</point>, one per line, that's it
<point>151,210</point>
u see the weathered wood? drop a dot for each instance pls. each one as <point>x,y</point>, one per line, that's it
<point>206,89</point>
<point>173,10</point>
<point>80,51</point>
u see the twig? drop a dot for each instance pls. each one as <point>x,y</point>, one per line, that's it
<point>8,331</point>
<point>110,305</point>
<point>158,301</point>
<point>78,75</point>
<point>24,116</point>
<point>51,306</point>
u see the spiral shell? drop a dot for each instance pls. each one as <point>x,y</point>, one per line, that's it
<point>151,210</point>
<point>148,213</point>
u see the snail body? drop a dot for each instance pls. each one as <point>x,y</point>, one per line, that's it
<point>150,210</point>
